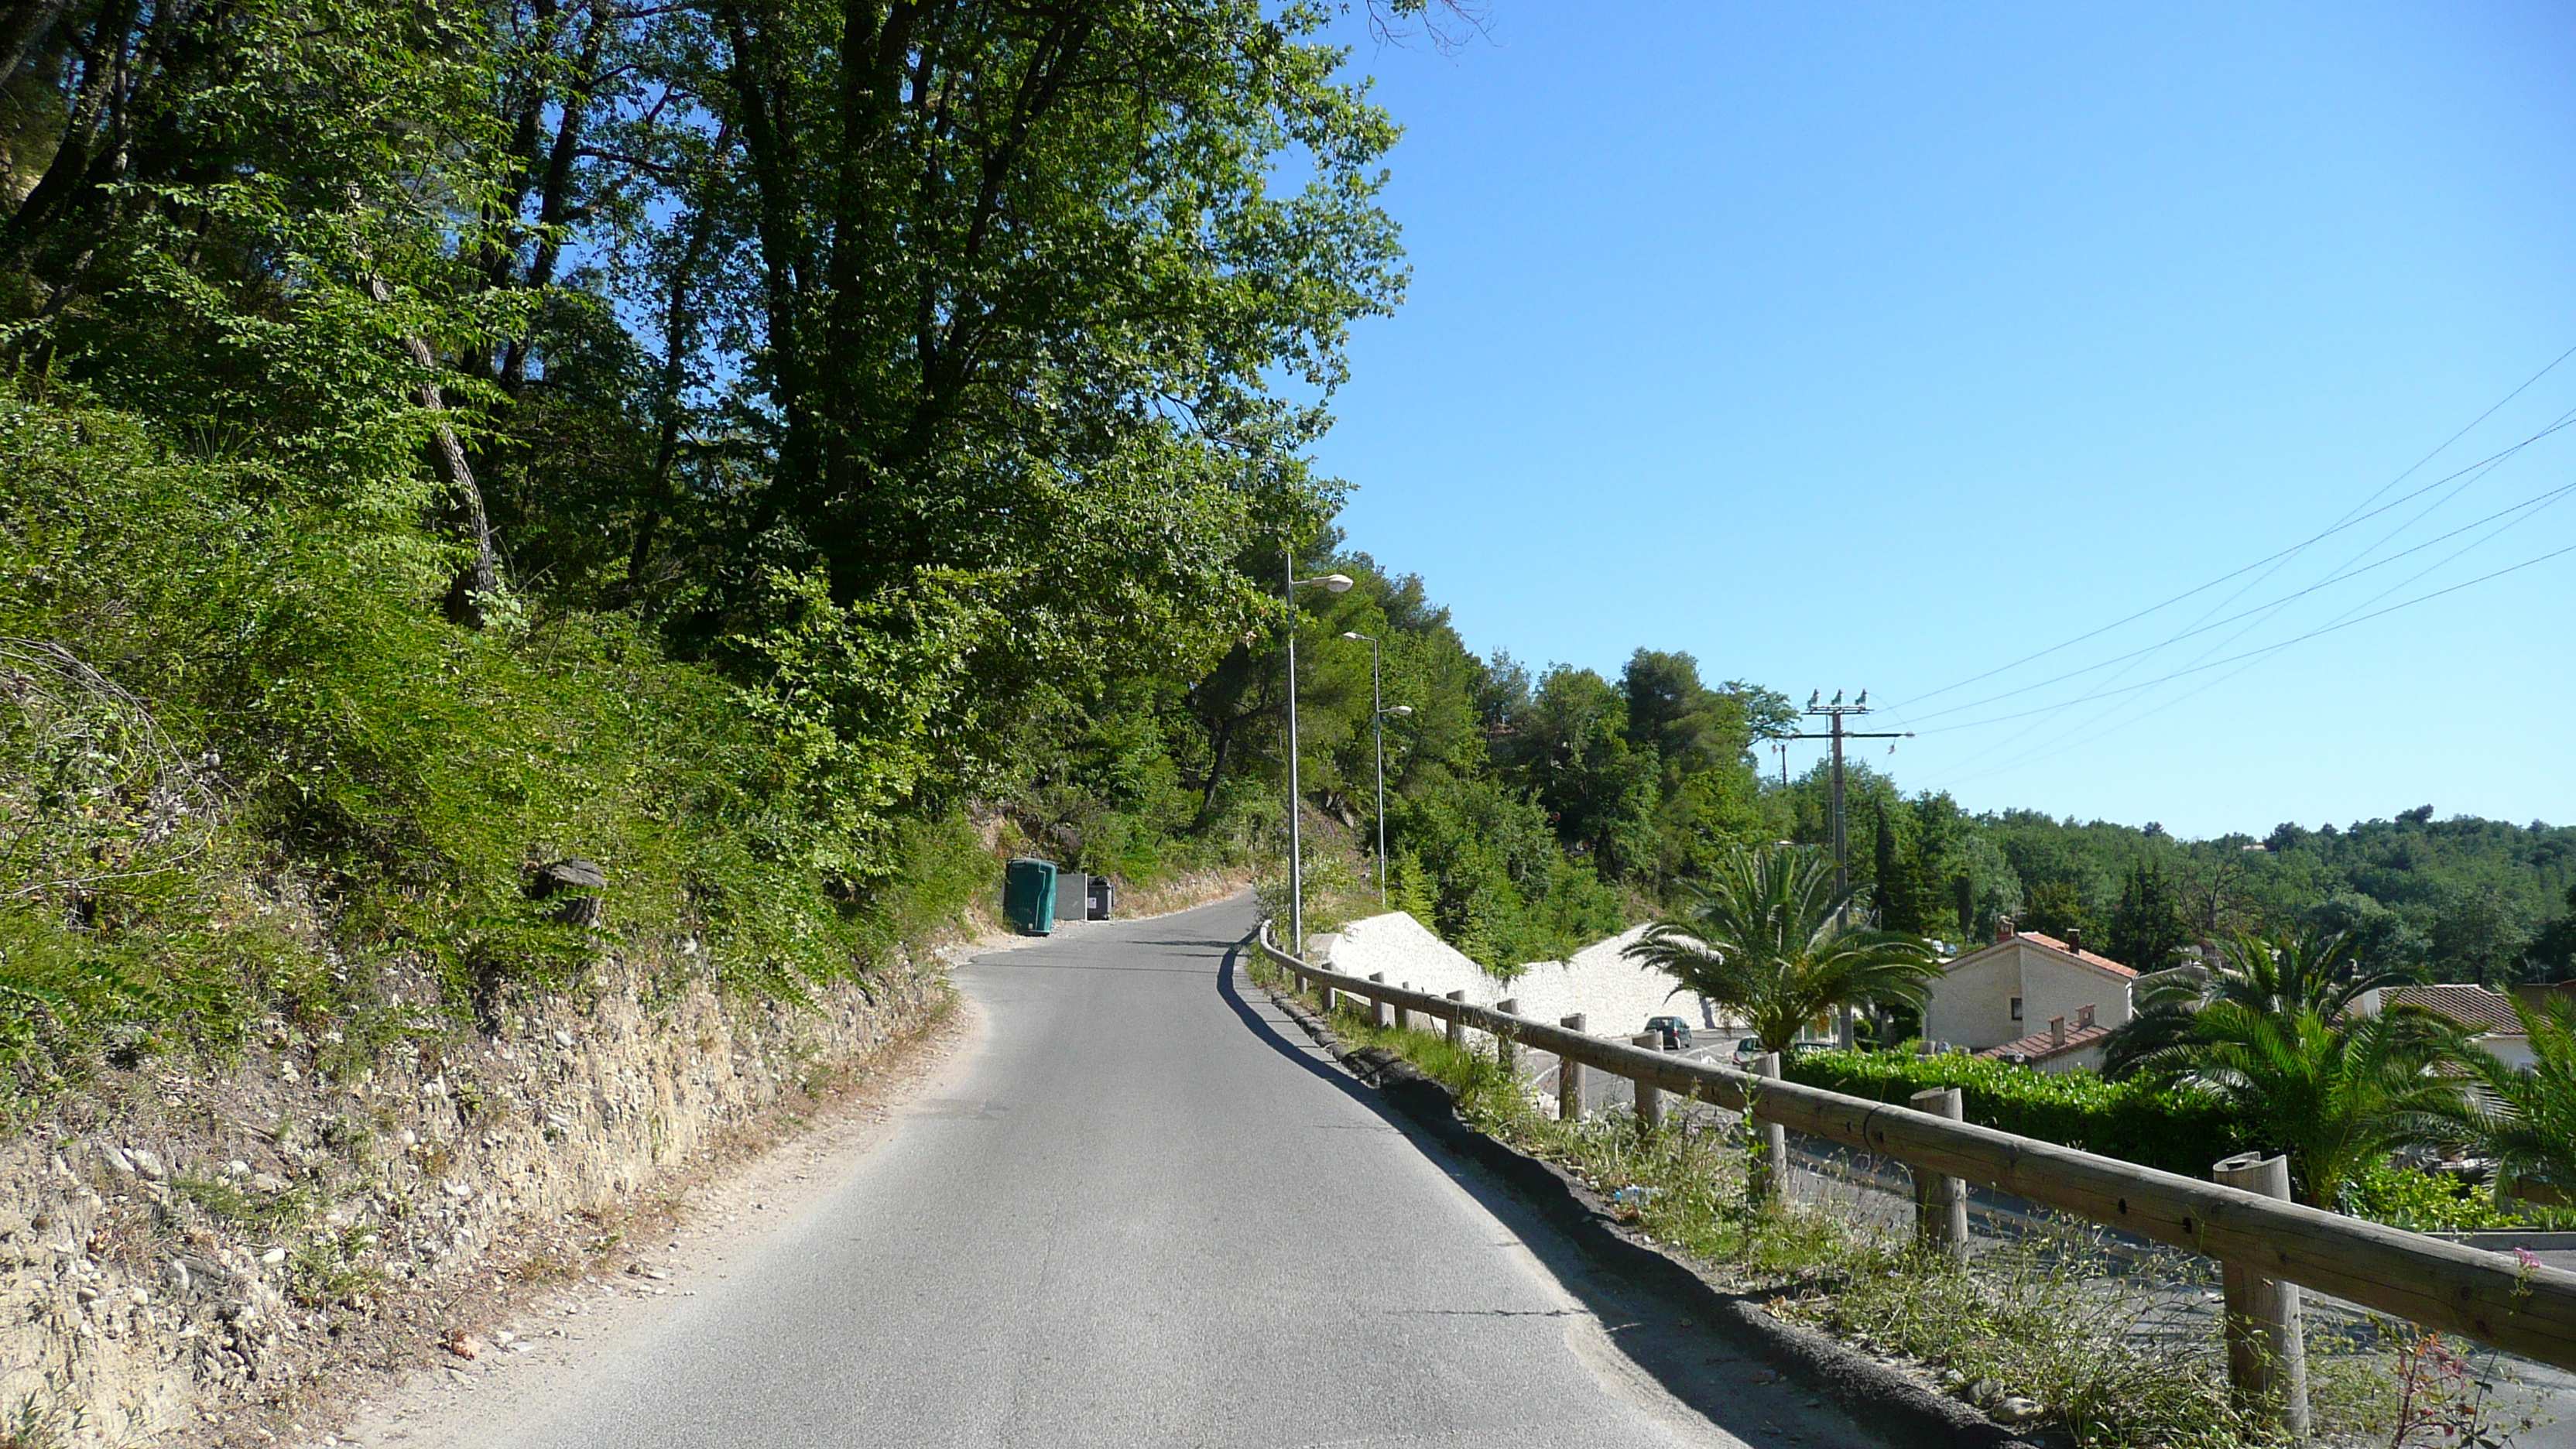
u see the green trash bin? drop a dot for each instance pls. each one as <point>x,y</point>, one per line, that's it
<point>1028,896</point>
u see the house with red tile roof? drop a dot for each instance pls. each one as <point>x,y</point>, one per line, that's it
<point>2030,997</point>
<point>2487,1016</point>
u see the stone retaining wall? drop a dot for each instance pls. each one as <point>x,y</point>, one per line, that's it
<point>182,1247</point>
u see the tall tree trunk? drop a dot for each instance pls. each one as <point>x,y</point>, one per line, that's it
<point>27,22</point>
<point>480,579</point>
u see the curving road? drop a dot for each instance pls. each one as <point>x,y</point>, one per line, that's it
<point>1143,1210</point>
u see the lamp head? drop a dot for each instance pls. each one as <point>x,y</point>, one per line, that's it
<point>1356,634</point>
<point>1336,583</point>
<point>1399,709</point>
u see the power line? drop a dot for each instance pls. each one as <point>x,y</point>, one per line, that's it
<point>2477,473</point>
<point>1952,775</point>
<point>2267,649</point>
<point>2347,521</point>
<point>2105,723</point>
<point>2343,575</point>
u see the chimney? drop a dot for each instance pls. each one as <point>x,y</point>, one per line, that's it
<point>2003,929</point>
<point>2075,939</point>
<point>2084,1017</point>
<point>2057,1031</point>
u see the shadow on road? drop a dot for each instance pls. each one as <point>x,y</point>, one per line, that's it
<point>1735,1393</point>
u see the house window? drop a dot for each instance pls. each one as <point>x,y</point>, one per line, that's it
<point>2016,1008</point>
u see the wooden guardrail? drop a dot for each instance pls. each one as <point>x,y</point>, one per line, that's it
<point>2498,1300</point>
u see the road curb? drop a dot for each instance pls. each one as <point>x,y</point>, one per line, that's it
<point>1905,1413</point>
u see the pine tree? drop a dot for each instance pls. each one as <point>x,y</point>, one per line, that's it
<point>1898,885</point>
<point>2147,929</point>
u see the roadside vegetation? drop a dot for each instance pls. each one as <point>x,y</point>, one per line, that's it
<point>2057,1327</point>
<point>441,442</point>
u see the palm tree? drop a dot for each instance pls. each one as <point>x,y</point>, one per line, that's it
<point>2337,1094</point>
<point>2282,978</point>
<point>2530,1115</point>
<point>1771,940</point>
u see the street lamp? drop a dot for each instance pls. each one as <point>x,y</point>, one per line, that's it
<point>1332,584</point>
<point>1377,725</point>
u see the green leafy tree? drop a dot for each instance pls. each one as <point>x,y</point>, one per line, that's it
<point>1899,885</point>
<point>2382,940</point>
<point>2057,908</point>
<point>2552,953</point>
<point>1768,938</point>
<point>2147,927</point>
<point>1570,746</point>
<point>2476,935</point>
<point>2529,1117</point>
<point>2338,1096</point>
<point>2310,974</point>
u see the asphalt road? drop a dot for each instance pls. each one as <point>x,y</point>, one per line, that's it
<point>1144,1210</point>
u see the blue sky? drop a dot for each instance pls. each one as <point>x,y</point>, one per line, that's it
<point>1880,347</point>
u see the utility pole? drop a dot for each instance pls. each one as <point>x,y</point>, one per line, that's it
<point>1835,712</point>
<point>1337,584</point>
<point>1378,712</point>
<point>1296,850</point>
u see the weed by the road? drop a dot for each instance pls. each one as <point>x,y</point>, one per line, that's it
<point>2113,1348</point>
<point>36,1426</point>
<point>333,1266</point>
<point>231,1203</point>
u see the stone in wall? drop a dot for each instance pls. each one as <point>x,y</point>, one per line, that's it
<point>177,1245</point>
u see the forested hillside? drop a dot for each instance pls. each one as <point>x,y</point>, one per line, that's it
<point>719,442</point>
<point>738,444</point>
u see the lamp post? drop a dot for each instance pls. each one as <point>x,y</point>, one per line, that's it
<point>1377,727</point>
<point>1335,584</point>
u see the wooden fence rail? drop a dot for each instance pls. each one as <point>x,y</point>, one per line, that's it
<point>2520,1307</point>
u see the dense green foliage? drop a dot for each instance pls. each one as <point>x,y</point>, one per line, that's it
<point>2463,899</point>
<point>2424,1202</point>
<point>715,441</point>
<point>1774,944</point>
<point>2177,1131</point>
<point>2311,973</point>
<point>737,443</point>
<point>2531,1115</point>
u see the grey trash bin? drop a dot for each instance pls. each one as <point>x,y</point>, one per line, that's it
<point>1072,895</point>
<point>1104,897</point>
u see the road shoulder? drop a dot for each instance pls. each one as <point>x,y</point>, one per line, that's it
<point>1659,1288</point>
<point>529,1338</point>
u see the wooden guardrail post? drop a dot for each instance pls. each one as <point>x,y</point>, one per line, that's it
<point>1508,1006</point>
<point>1379,1015</point>
<point>2267,1360</point>
<point>1458,1021</point>
<point>1650,1098</point>
<point>1569,1077</point>
<point>1941,1201</point>
<point>2451,1287</point>
<point>1403,1013</point>
<point>1771,1169</point>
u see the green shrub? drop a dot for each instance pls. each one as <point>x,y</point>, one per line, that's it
<point>2424,1202</point>
<point>229,689</point>
<point>2166,1129</point>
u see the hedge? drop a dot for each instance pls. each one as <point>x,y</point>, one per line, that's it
<point>2169,1129</point>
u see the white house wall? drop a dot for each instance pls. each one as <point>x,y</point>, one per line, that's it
<point>2051,987</point>
<point>1971,1005</point>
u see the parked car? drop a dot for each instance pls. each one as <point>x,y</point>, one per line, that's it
<point>1749,1050</point>
<point>1674,1031</point>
